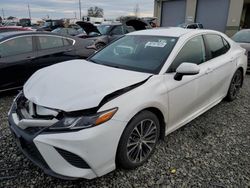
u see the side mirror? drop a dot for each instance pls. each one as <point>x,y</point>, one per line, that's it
<point>186,69</point>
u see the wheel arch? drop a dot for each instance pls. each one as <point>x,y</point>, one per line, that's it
<point>242,72</point>
<point>160,117</point>
<point>156,111</point>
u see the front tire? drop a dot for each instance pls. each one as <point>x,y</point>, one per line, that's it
<point>235,86</point>
<point>138,140</point>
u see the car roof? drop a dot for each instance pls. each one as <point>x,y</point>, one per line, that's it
<point>7,35</point>
<point>242,30</point>
<point>170,32</point>
<point>112,24</point>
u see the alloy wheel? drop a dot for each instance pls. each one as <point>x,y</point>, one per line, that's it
<point>141,141</point>
<point>236,84</point>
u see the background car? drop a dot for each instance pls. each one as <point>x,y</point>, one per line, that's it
<point>243,38</point>
<point>23,53</point>
<point>151,20</point>
<point>69,31</point>
<point>50,25</point>
<point>103,34</point>
<point>191,26</point>
<point>13,28</point>
<point>83,118</point>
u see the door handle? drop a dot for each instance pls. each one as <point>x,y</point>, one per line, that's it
<point>30,57</point>
<point>209,70</point>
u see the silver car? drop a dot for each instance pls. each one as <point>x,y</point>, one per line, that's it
<point>243,38</point>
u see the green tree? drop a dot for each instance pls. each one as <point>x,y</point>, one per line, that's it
<point>11,18</point>
<point>95,12</point>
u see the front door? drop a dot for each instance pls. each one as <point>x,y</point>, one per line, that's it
<point>188,96</point>
<point>52,50</point>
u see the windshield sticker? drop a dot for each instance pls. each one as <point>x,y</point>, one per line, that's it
<point>159,44</point>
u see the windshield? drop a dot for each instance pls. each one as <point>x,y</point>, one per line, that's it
<point>242,36</point>
<point>48,24</point>
<point>103,29</point>
<point>57,30</point>
<point>25,22</point>
<point>138,53</point>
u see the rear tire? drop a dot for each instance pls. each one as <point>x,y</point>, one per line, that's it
<point>235,86</point>
<point>99,46</point>
<point>138,140</point>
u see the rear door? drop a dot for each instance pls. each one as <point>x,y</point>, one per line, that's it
<point>15,54</point>
<point>221,63</point>
<point>52,49</point>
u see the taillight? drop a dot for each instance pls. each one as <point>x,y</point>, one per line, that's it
<point>246,52</point>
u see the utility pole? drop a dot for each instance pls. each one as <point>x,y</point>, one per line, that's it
<point>29,11</point>
<point>137,10</point>
<point>3,13</point>
<point>80,9</point>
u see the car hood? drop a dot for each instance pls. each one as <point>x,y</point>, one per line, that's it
<point>88,27</point>
<point>77,84</point>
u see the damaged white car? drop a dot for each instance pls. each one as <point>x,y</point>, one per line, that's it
<point>82,119</point>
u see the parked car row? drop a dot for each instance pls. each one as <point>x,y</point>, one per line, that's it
<point>23,53</point>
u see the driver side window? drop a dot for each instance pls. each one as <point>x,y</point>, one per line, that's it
<point>192,52</point>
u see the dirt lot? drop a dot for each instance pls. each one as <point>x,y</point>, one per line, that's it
<point>211,151</point>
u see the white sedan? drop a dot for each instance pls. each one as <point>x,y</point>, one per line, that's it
<point>83,118</point>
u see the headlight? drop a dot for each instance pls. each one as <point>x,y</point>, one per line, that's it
<point>84,121</point>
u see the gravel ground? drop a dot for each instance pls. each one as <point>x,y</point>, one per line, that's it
<point>211,151</point>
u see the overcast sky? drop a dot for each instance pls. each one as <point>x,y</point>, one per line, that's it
<point>67,8</point>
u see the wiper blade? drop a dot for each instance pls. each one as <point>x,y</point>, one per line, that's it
<point>114,66</point>
<point>93,61</point>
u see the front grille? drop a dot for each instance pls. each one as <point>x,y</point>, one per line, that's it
<point>33,130</point>
<point>73,159</point>
<point>31,151</point>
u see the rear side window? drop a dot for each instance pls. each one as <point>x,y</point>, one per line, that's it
<point>67,42</point>
<point>217,45</point>
<point>48,42</point>
<point>192,52</point>
<point>17,46</point>
<point>192,26</point>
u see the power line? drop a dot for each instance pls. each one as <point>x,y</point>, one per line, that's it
<point>80,9</point>
<point>29,11</point>
<point>3,13</point>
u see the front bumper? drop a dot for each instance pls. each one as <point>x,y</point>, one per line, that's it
<point>87,153</point>
<point>27,146</point>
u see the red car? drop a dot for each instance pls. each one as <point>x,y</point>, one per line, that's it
<point>14,28</point>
